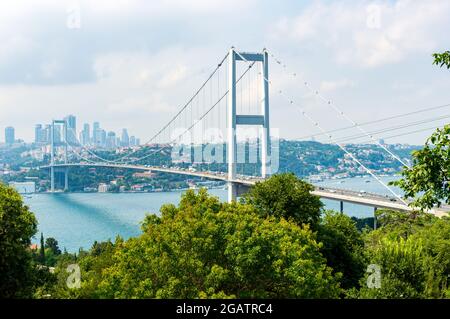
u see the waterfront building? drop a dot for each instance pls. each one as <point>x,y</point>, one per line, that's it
<point>24,187</point>
<point>103,188</point>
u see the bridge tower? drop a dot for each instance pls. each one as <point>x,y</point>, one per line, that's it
<point>262,59</point>
<point>52,154</point>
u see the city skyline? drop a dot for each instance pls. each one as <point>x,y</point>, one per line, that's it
<point>98,136</point>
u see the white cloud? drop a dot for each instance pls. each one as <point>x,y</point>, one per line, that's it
<point>329,86</point>
<point>369,34</point>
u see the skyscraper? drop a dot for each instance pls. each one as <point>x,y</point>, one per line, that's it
<point>111,140</point>
<point>47,133</point>
<point>57,136</point>
<point>85,135</point>
<point>125,139</point>
<point>9,135</point>
<point>71,121</point>
<point>96,134</point>
<point>132,140</point>
<point>38,134</point>
<point>102,138</point>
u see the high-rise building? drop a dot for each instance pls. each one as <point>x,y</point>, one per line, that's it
<point>47,133</point>
<point>102,138</point>
<point>111,140</point>
<point>85,135</point>
<point>71,122</point>
<point>9,135</point>
<point>132,140</point>
<point>96,134</point>
<point>38,134</point>
<point>138,141</point>
<point>125,139</point>
<point>57,136</point>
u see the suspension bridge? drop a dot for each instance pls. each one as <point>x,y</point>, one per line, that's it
<point>228,120</point>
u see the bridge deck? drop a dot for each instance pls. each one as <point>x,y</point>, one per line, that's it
<point>366,199</point>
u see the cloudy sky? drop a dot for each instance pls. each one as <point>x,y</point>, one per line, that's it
<point>132,63</point>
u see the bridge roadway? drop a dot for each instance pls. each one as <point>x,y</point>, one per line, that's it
<point>341,195</point>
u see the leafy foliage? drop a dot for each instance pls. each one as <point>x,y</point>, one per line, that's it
<point>427,181</point>
<point>286,196</point>
<point>262,247</point>
<point>343,247</point>
<point>402,266</point>
<point>207,249</point>
<point>414,256</point>
<point>17,226</point>
<point>52,244</point>
<point>442,59</point>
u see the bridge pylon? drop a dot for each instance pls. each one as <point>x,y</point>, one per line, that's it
<point>235,119</point>
<point>52,154</point>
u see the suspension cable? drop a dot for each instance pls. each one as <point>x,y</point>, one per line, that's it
<point>379,120</point>
<point>176,115</point>
<point>316,124</point>
<point>339,111</point>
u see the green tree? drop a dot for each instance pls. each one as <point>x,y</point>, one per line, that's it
<point>343,247</point>
<point>427,181</point>
<point>286,196</point>
<point>442,59</point>
<point>92,264</point>
<point>42,250</point>
<point>203,248</point>
<point>413,254</point>
<point>52,244</point>
<point>435,239</point>
<point>403,272</point>
<point>17,226</point>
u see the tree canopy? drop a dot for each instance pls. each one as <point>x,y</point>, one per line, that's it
<point>343,247</point>
<point>413,255</point>
<point>203,248</point>
<point>17,226</point>
<point>442,59</point>
<point>427,181</point>
<point>286,196</point>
